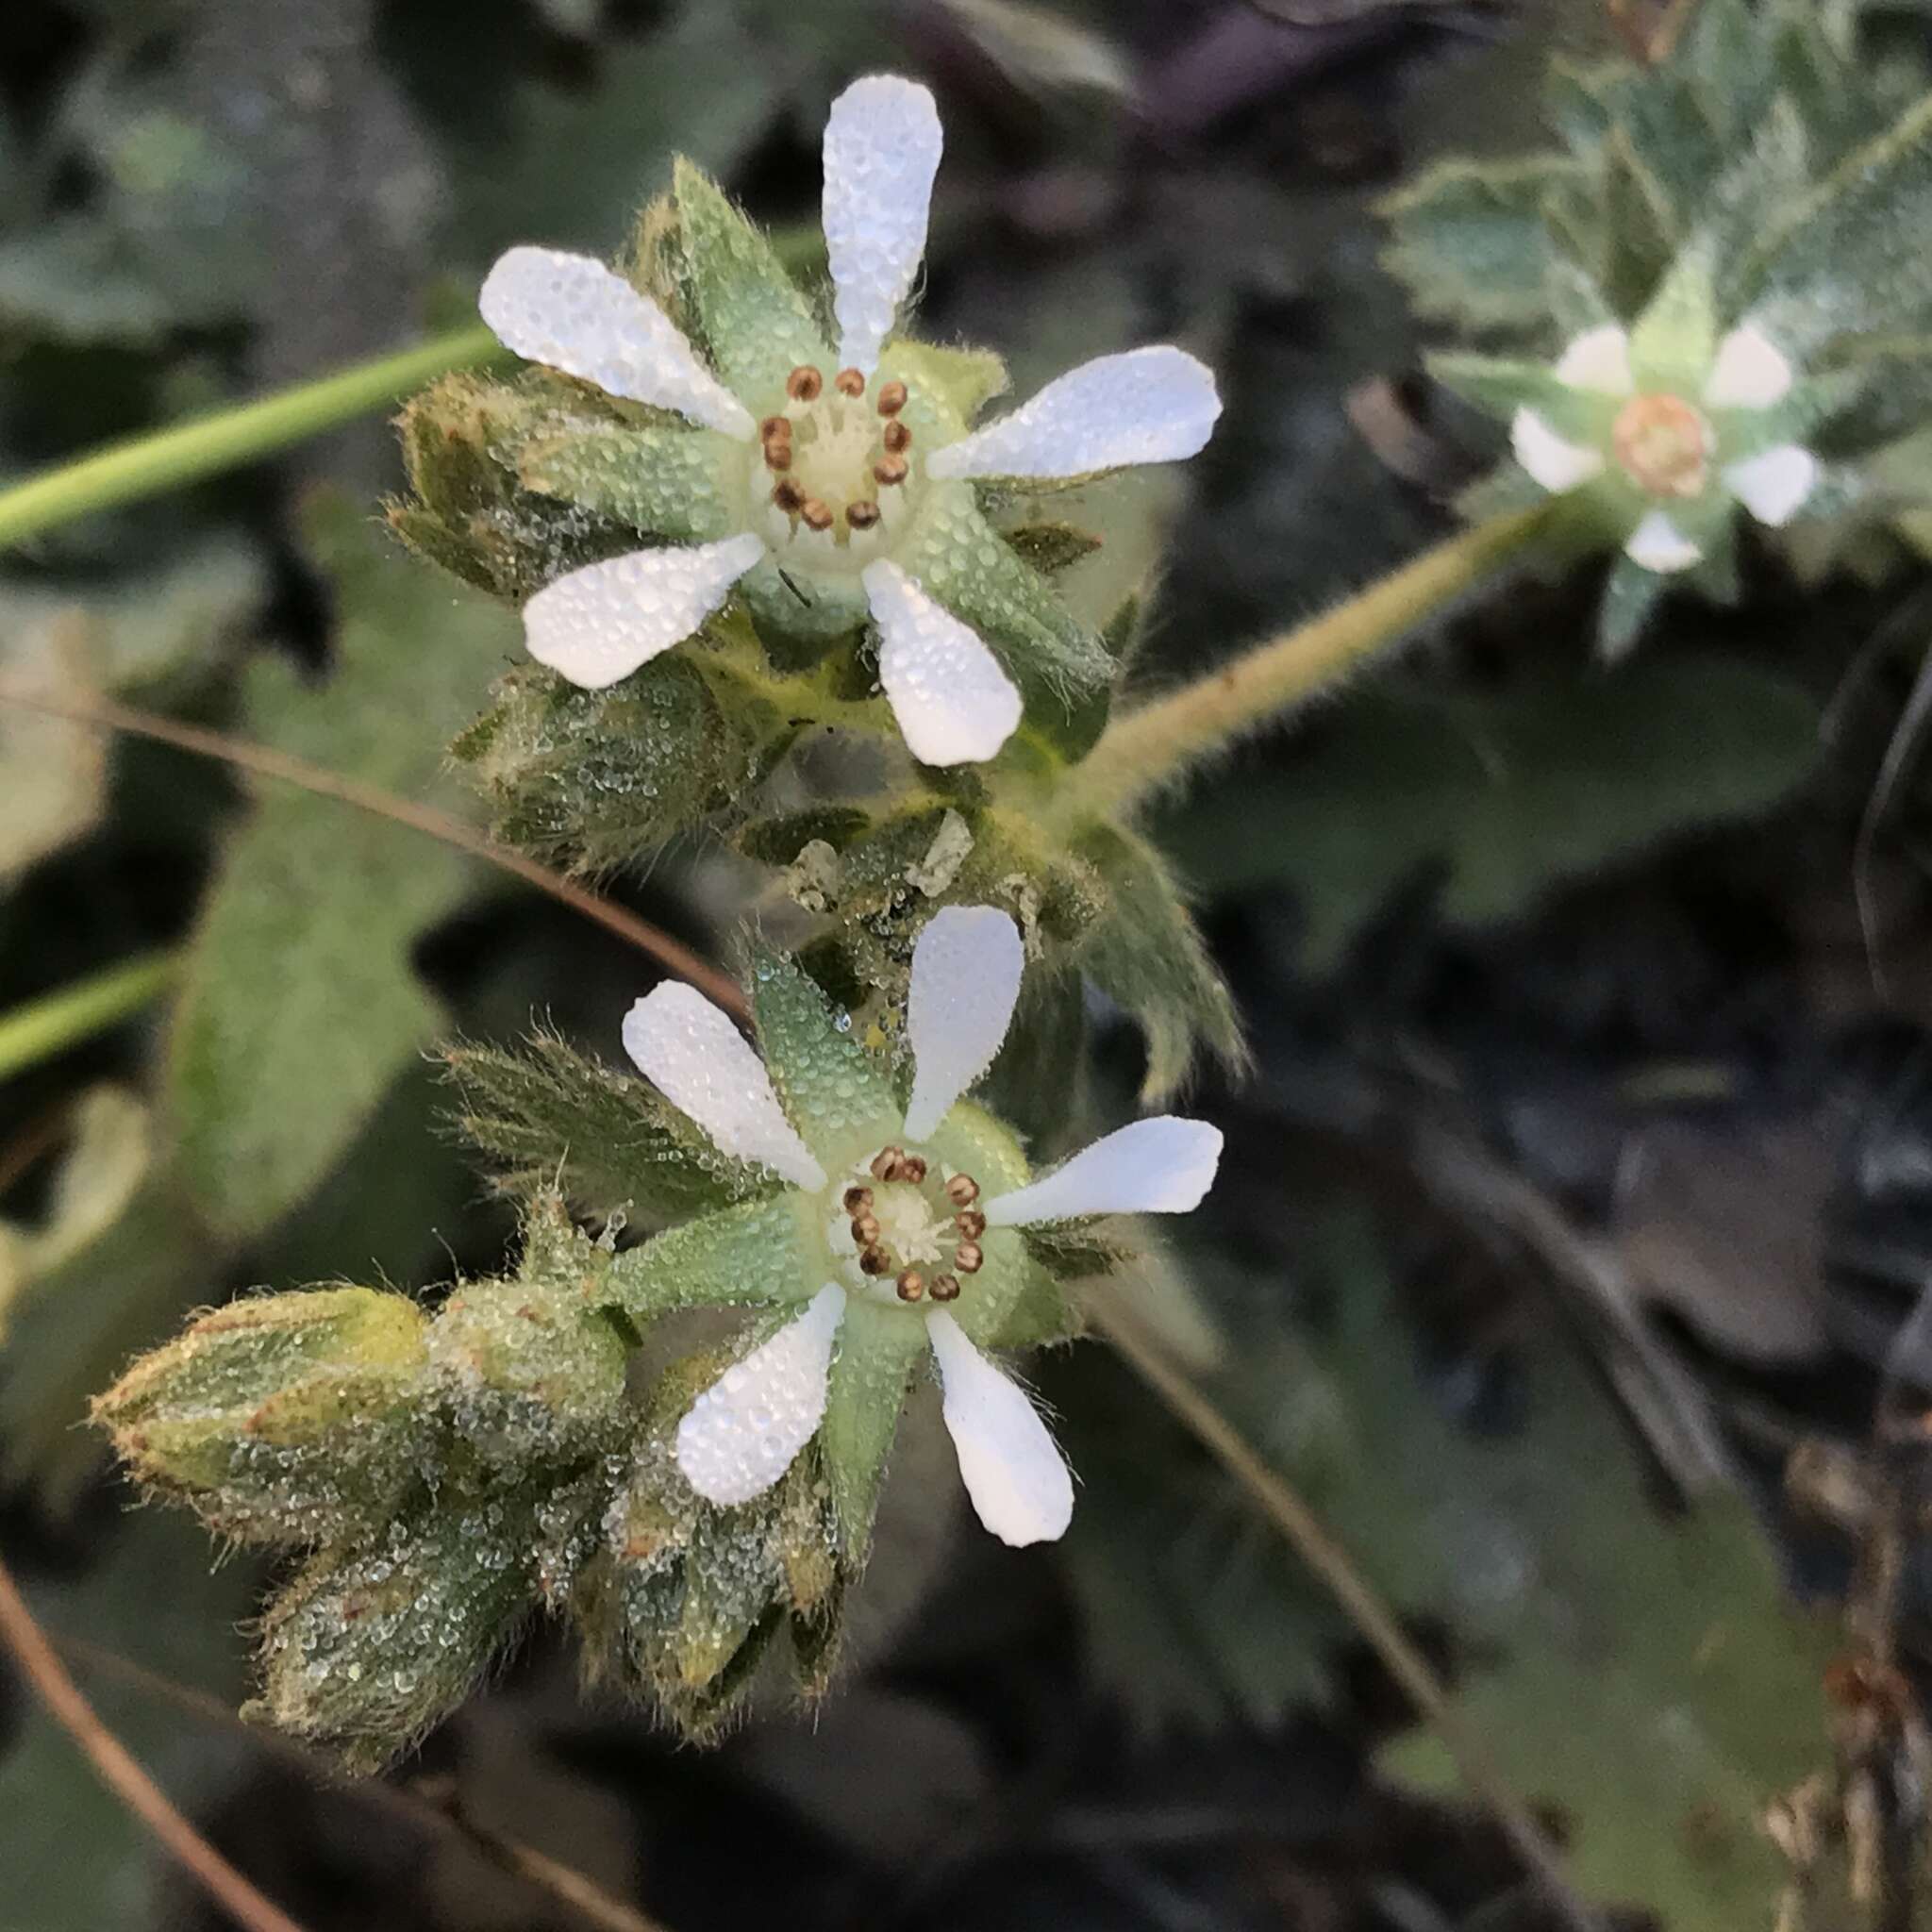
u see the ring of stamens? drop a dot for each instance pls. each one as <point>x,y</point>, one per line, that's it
<point>833,465</point>
<point>1663,444</point>
<point>912,1228</point>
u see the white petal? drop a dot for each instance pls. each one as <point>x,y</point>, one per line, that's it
<point>1599,359</point>
<point>600,623</point>
<point>1773,484</point>
<point>1157,1166</point>
<point>1657,544</point>
<point>1553,461</point>
<point>954,704</point>
<point>574,314</point>
<point>966,972</point>
<point>705,1068</point>
<point>1750,371</point>
<point>882,150</point>
<point>741,1434</point>
<point>1018,1480</point>
<point>1146,406</point>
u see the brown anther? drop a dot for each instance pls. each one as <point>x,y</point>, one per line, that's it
<point>817,514</point>
<point>945,1287</point>
<point>775,430</point>
<point>858,1200</point>
<point>789,497</point>
<point>873,1262</point>
<point>886,1162</point>
<point>911,1285</point>
<point>889,470</point>
<point>863,514</point>
<point>892,398</point>
<point>849,382</point>
<point>968,1257</point>
<point>971,1224</point>
<point>777,456</point>
<point>912,1169</point>
<point>962,1191</point>
<point>865,1230</point>
<point>896,436</point>
<point>804,384</point>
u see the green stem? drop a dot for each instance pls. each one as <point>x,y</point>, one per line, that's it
<point>146,465</point>
<point>1147,748</point>
<point>59,1020</point>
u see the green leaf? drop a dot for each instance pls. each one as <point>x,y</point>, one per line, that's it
<point>832,1089</point>
<point>748,313</point>
<point>757,1253</point>
<point>669,483</point>
<point>1507,796</point>
<point>300,1002</point>
<point>549,1116</point>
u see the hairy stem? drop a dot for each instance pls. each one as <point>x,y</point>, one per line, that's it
<point>1148,748</point>
<point>146,465</point>
<point>56,1021</point>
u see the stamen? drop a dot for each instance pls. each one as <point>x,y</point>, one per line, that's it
<point>804,384</point>
<point>892,398</point>
<point>816,514</point>
<point>945,1287</point>
<point>789,498</point>
<point>873,1262</point>
<point>775,430</point>
<point>897,437</point>
<point>862,515</point>
<point>971,1225</point>
<point>849,382</point>
<point>777,456</point>
<point>858,1200</point>
<point>968,1257</point>
<point>885,1163</point>
<point>911,1285</point>
<point>865,1230</point>
<point>912,1168</point>
<point>962,1191</point>
<point>889,470</point>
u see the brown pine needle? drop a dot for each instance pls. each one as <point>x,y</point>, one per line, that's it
<point>122,1774</point>
<point>103,714</point>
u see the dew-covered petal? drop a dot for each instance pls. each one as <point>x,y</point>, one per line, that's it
<point>1598,359</point>
<point>1773,484</point>
<point>966,971</point>
<point>705,1068</point>
<point>741,1434</point>
<point>1554,460</point>
<point>881,152</point>
<point>1749,372</point>
<point>573,313</point>
<point>1157,1166</point>
<point>600,623</point>
<point>1018,1480</point>
<point>1657,544</point>
<point>954,704</point>
<point>1145,406</point>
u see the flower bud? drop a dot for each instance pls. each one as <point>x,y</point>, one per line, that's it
<point>284,1418</point>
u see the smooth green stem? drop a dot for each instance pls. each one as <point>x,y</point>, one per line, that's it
<point>59,1020</point>
<point>146,465</point>
<point>1146,749</point>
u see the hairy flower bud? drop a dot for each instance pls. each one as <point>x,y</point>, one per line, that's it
<point>282,1418</point>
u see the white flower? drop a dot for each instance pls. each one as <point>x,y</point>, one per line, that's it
<point>841,483</point>
<point>1679,460</point>
<point>900,1231</point>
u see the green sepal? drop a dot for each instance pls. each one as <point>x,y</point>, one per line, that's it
<point>548,1116</point>
<point>1038,1314</point>
<point>1674,343</point>
<point>1145,953</point>
<point>758,1253</point>
<point>959,381</point>
<point>1062,669</point>
<point>753,321</point>
<point>1631,594</point>
<point>284,1418</point>
<point>1500,386</point>
<point>1506,491</point>
<point>878,1350</point>
<point>669,483</point>
<point>832,1089</point>
<point>367,1648</point>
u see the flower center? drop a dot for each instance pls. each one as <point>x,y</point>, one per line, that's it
<point>833,467</point>
<point>1664,444</point>
<point>907,1232</point>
